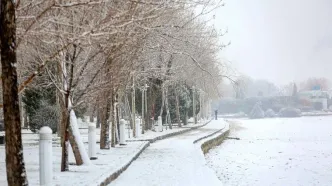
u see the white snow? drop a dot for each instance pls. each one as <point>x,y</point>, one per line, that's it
<point>148,135</point>
<point>45,130</point>
<point>278,151</point>
<point>174,161</point>
<point>77,135</point>
<point>108,162</point>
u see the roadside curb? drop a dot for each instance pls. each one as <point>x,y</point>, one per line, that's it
<point>152,140</point>
<point>204,137</point>
<point>117,173</point>
<point>214,139</point>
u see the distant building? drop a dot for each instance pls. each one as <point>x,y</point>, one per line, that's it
<point>316,96</point>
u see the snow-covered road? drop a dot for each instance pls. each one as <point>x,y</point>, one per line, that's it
<point>278,151</point>
<point>172,162</point>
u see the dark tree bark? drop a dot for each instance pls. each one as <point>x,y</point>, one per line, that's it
<point>105,126</point>
<point>113,119</point>
<point>92,113</point>
<point>98,116</point>
<point>15,167</point>
<point>177,107</point>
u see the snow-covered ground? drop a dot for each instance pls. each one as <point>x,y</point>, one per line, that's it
<point>175,161</point>
<point>277,151</point>
<point>108,162</point>
<point>30,138</point>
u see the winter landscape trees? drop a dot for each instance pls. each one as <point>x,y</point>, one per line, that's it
<point>97,57</point>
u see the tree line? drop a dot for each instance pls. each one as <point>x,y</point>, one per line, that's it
<point>105,58</point>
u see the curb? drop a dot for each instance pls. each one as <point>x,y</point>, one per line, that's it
<point>204,137</point>
<point>214,141</point>
<point>117,173</point>
<point>208,145</point>
<point>171,134</point>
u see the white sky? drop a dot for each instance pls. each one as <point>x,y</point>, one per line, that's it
<point>278,40</point>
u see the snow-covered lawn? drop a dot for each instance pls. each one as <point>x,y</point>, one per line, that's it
<point>174,161</point>
<point>278,151</point>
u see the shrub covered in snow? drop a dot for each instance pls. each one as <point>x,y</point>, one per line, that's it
<point>46,115</point>
<point>257,112</point>
<point>290,112</point>
<point>270,113</point>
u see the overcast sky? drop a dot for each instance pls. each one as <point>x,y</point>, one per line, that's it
<point>278,40</point>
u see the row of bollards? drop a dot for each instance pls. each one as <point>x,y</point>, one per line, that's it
<point>45,147</point>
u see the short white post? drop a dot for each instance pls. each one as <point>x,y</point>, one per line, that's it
<point>45,156</point>
<point>92,141</point>
<point>122,129</point>
<point>160,124</point>
<point>137,123</point>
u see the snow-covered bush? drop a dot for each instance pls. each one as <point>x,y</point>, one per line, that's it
<point>46,115</point>
<point>270,113</point>
<point>290,112</point>
<point>257,112</point>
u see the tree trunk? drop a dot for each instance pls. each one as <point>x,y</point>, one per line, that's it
<point>114,120</point>
<point>105,126</point>
<point>117,124</point>
<point>99,113</point>
<point>15,166</point>
<point>64,138</point>
<point>69,138</point>
<point>168,115</point>
<point>128,109</point>
<point>185,117</point>
<point>194,107</point>
<point>146,117</point>
<point>92,113</point>
<point>143,110</point>
<point>71,132</point>
<point>133,109</point>
<point>162,102</point>
<point>177,107</point>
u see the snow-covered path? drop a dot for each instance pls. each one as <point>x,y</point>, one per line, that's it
<point>175,161</point>
<point>278,151</point>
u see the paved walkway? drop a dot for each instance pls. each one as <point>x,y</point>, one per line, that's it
<point>173,162</point>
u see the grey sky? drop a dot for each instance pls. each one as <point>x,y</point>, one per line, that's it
<point>278,40</point>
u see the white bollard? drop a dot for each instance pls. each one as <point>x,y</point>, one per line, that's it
<point>45,156</point>
<point>137,126</point>
<point>122,129</point>
<point>92,141</point>
<point>160,124</point>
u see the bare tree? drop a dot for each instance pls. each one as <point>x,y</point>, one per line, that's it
<point>15,166</point>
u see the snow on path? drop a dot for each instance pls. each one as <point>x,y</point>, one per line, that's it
<point>175,161</point>
<point>278,151</point>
